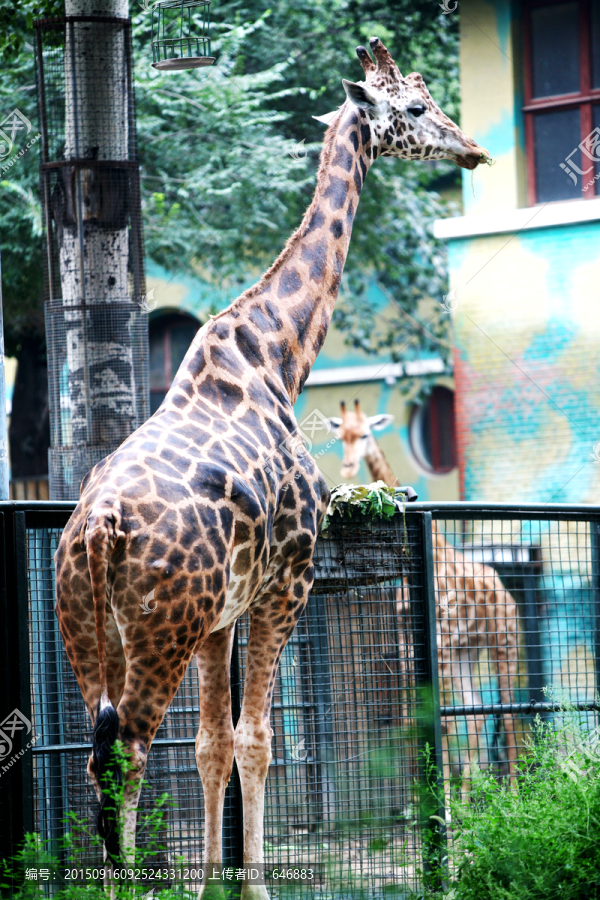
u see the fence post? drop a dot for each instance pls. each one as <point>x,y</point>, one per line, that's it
<point>3,429</point>
<point>533,644</point>
<point>8,827</point>
<point>17,817</point>
<point>24,674</point>
<point>595,547</point>
<point>432,775</point>
<point>318,623</point>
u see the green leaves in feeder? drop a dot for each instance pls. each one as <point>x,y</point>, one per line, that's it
<point>180,35</point>
<point>374,500</point>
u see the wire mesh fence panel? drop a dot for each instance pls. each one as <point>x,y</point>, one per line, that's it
<point>340,793</point>
<point>517,621</point>
<point>347,713</point>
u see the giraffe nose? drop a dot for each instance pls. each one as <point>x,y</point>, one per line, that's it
<point>472,156</point>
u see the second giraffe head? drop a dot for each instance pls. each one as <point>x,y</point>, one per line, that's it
<point>355,430</point>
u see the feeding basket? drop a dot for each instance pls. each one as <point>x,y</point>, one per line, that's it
<point>361,552</point>
<point>180,35</point>
<point>364,539</point>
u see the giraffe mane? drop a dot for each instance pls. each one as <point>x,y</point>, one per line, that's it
<point>326,153</point>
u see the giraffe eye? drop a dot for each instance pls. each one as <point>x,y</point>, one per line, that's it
<point>417,111</point>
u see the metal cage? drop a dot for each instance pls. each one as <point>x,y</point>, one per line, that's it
<point>180,35</point>
<point>393,653</point>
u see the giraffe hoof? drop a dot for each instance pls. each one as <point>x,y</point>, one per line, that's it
<point>254,892</point>
<point>211,892</point>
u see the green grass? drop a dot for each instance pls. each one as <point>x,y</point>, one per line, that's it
<point>541,840</point>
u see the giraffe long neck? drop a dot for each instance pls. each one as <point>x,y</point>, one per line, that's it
<point>279,324</point>
<point>380,470</point>
<point>378,465</point>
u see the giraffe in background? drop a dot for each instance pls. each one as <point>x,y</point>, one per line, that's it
<point>475,612</point>
<point>214,504</point>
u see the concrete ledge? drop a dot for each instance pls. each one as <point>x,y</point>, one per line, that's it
<point>548,215</point>
<point>376,372</point>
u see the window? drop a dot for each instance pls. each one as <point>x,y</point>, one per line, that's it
<point>170,336</point>
<point>432,435</point>
<point>562,99</point>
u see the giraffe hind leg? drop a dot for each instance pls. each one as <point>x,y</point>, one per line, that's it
<point>151,683</point>
<point>105,734</point>
<point>214,744</point>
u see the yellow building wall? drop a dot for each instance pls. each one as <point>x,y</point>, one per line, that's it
<point>491,92</point>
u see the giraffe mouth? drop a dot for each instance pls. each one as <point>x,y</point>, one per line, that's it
<point>471,160</point>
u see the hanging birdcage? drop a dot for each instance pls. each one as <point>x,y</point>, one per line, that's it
<point>180,35</point>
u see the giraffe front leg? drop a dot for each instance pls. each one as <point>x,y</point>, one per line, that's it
<point>253,733</point>
<point>214,745</point>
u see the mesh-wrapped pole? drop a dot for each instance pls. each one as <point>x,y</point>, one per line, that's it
<point>96,331</point>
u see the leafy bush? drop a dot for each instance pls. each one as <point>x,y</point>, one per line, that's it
<point>541,840</point>
<point>81,848</point>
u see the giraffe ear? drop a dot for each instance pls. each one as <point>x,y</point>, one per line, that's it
<point>376,423</point>
<point>328,118</point>
<point>335,423</point>
<point>359,94</point>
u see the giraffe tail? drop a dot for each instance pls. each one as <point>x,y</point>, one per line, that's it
<point>100,538</point>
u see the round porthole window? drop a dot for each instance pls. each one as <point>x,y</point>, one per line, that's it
<point>432,432</point>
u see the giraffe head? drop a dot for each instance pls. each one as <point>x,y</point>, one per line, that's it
<point>355,430</point>
<point>403,118</point>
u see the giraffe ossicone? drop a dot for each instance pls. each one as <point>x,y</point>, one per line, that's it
<point>212,506</point>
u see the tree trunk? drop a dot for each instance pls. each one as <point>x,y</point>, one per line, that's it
<point>90,206</point>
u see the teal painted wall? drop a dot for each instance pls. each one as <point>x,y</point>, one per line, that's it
<point>527,364</point>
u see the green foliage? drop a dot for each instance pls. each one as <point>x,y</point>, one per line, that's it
<point>392,240</point>
<point>538,841</point>
<point>20,210</point>
<point>16,24</point>
<point>81,848</point>
<point>221,191</point>
<point>242,194</point>
<point>217,172</point>
<point>373,500</point>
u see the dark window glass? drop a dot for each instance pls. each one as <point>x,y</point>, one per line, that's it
<point>596,44</point>
<point>555,49</point>
<point>182,335</point>
<point>432,433</point>
<point>169,338</point>
<point>557,136</point>
<point>156,340</point>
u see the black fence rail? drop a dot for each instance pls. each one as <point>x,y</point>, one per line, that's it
<point>440,627</point>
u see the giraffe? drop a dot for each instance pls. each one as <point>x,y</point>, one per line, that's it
<point>213,505</point>
<point>477,613</point>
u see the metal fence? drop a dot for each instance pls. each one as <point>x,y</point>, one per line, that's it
<point>440,627</point>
